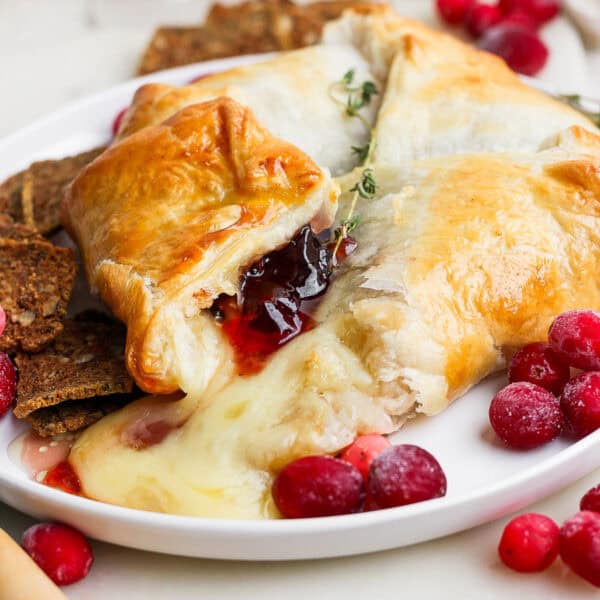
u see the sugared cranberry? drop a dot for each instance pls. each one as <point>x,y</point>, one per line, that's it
<point>362,451</point>
<point>116,125</point>
<point>529,543</point>
<point>453,12</point>
<point>481,17</point>
<point>318,486</point>
<point>591,500</point>
<point>525,416</point>
<point>518,45</point>
<point>580,401</point>
<point>579,545</point>
<point>2,320</point>
<point>537,363</point>
<point>404,474</point>
<point>540,10</point>
<point>59,550</point>
<point>575,337</point>
<point>8,383</point>
<point>518,17</point>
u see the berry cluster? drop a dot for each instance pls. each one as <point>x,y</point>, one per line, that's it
<point>531,542</point>
<point>508,28</point>
<point>543,399</point>
<point>370,475</point>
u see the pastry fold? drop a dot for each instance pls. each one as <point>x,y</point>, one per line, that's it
<point>166,220</point>
<point>443,96</point>
<point>289,94</point>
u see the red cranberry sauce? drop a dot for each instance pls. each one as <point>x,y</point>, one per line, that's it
<point>272,306</point>
<point>63,477</point>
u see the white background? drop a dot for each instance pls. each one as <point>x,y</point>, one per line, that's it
<point>54,51</point>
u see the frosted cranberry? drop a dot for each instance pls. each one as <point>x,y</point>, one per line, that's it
<point>116,125</point>
<point>579,545</point>
<point>318,486</point>
<point>8,383</point>
<point>537,363</point>
<point>580,402</point>
<point>575,337</point>
<point>591,500</point>
<point>540,10</point>
<point>529,543</point>
<point>518,17</point>
<point>363,450</point>
<point>525,416</point>
<point>2,320</point>
<point>404,474</point>
<point>59,550</point>
<point>518,45</point>
<point>481,17</point>
<point>453,12</point>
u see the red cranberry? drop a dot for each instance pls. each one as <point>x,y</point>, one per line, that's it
<point>579,545</point>
<point>116,125</point>
<point>318,486</point>
<point>8,383</point>
<point>404,474</point>
<point>453,12</point>
<point>519,46</point>
<point>529,543</point>
<point>2,320</point>
<point>540,10</point>
<point>63,477</point>
<point>580,402</point>
<point>363,450</point>
<point>575,337</point>
<point>59,550</point>
<point>537,363</point>
<point>591,500</point>
<point>518,17</point>
<point>525,416</point>
<point>481,17</point>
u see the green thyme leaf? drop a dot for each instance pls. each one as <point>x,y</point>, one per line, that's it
<point>361,152</point>
<point>366,186</point>
<point>348,77</point>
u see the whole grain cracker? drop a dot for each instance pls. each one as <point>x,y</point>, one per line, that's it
<point>36,280</point>
<point>85,361</point>
<point>75,414</point>
<point>43,186</point>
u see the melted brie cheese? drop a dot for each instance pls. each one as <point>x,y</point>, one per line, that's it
<point>219,461</point>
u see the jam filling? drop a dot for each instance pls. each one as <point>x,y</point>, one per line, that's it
<point>275,298</point>
<point>63,477</point>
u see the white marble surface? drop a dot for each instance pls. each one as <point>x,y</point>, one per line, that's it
<point>54,52</point>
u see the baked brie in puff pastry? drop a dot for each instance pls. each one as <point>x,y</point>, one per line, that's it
<point>289,95</point>
<point>459,259</point>
<point>167,217</point>
<point>444,96</point>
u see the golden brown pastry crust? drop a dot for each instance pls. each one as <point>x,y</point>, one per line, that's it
<point>167,218</point>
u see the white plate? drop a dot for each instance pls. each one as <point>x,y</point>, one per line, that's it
<point>485,480</point>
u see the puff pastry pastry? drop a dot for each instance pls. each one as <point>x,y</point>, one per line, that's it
<point>166,219</point>
<point>459,259</point>
<point>288,94</point>
<point>443,96</point>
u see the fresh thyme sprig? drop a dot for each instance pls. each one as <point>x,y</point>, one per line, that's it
<point>581,104</point>
<point>357,97</point>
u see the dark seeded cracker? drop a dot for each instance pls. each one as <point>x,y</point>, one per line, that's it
<point>43,185</point>
<point>85,361</point>
<point>36,280</point>
<point>75,414</point>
